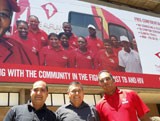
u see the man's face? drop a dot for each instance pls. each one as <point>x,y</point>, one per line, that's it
<point>5,17</point>
<point>67,28</point>
<point>39,93</point>
<point>125,44</point>
<point>92,31</point>
<point>106,82</point>
<point>76,95</point>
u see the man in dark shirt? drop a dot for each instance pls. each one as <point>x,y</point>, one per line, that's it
<point>35,109</point>
<point>77,109</point>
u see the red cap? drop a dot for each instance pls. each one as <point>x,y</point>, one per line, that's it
<point>13,5</point>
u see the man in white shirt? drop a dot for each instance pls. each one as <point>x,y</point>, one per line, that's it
<point>129,60</point>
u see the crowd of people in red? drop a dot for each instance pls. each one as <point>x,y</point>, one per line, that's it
<point>66,49</point>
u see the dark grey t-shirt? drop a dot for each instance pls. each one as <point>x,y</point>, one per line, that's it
<point>27,113</point>
<point>83,113</point>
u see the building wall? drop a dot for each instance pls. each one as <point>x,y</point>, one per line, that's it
<point>24,95</point>
<point>24,89</point>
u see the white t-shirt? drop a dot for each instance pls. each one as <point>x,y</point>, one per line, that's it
<point>130,61</point>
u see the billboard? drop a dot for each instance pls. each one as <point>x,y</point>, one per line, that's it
<point>143,29</point>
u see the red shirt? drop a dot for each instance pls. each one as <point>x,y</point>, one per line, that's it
<point>29,44</point>
<point>105,61</point>
<point>94,44</point>
<point>13,52</point>
<point>128,108</point>
<point>69,50</point>
<point>73,40</point>
<point>51,57</point>
<point>116,50</point>
<point>70,54</point>
<point>40,38</point>
<point>82,60</point>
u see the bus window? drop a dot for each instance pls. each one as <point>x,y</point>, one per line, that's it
<point>130,36</point>
<point>80,21</point>
<point>118,30</point>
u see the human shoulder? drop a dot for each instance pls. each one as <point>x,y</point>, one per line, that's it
<point>127,91</point>
<point>121,51</point>
<point>87,37</point>
<point>19,108</point>
<point>74,35</point>
<point>65,105</point>
<point>135,53</point>
<point>92,107</point>
<point>42,31</point>
<point>130,93</point>
<point>100,40</point>
<point>101,102</point>
<point>50,114</point>
<point>62,107</point>
<point>10,42</point>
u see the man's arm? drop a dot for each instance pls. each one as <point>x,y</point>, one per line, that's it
<point>122,69</point>
<point>10,115</point>
<point>95,113</point>
<point>145,118</point>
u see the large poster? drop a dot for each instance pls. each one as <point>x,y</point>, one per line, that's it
<point>146,31</point>
<point>142,29</point>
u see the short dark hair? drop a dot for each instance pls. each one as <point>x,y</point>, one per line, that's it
<point>52,34</point>
<point>46,87</point>
<point>61,34</point>
<point>34,17</point>
<point>114,37</point>
<point>83,38</point>
<point>106,72</point>
<point>21,21</point>
<point>74,83</point>
<point>66,23</point>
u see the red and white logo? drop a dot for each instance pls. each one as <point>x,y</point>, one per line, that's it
<point>49,9</point>
<point>158,55</point>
